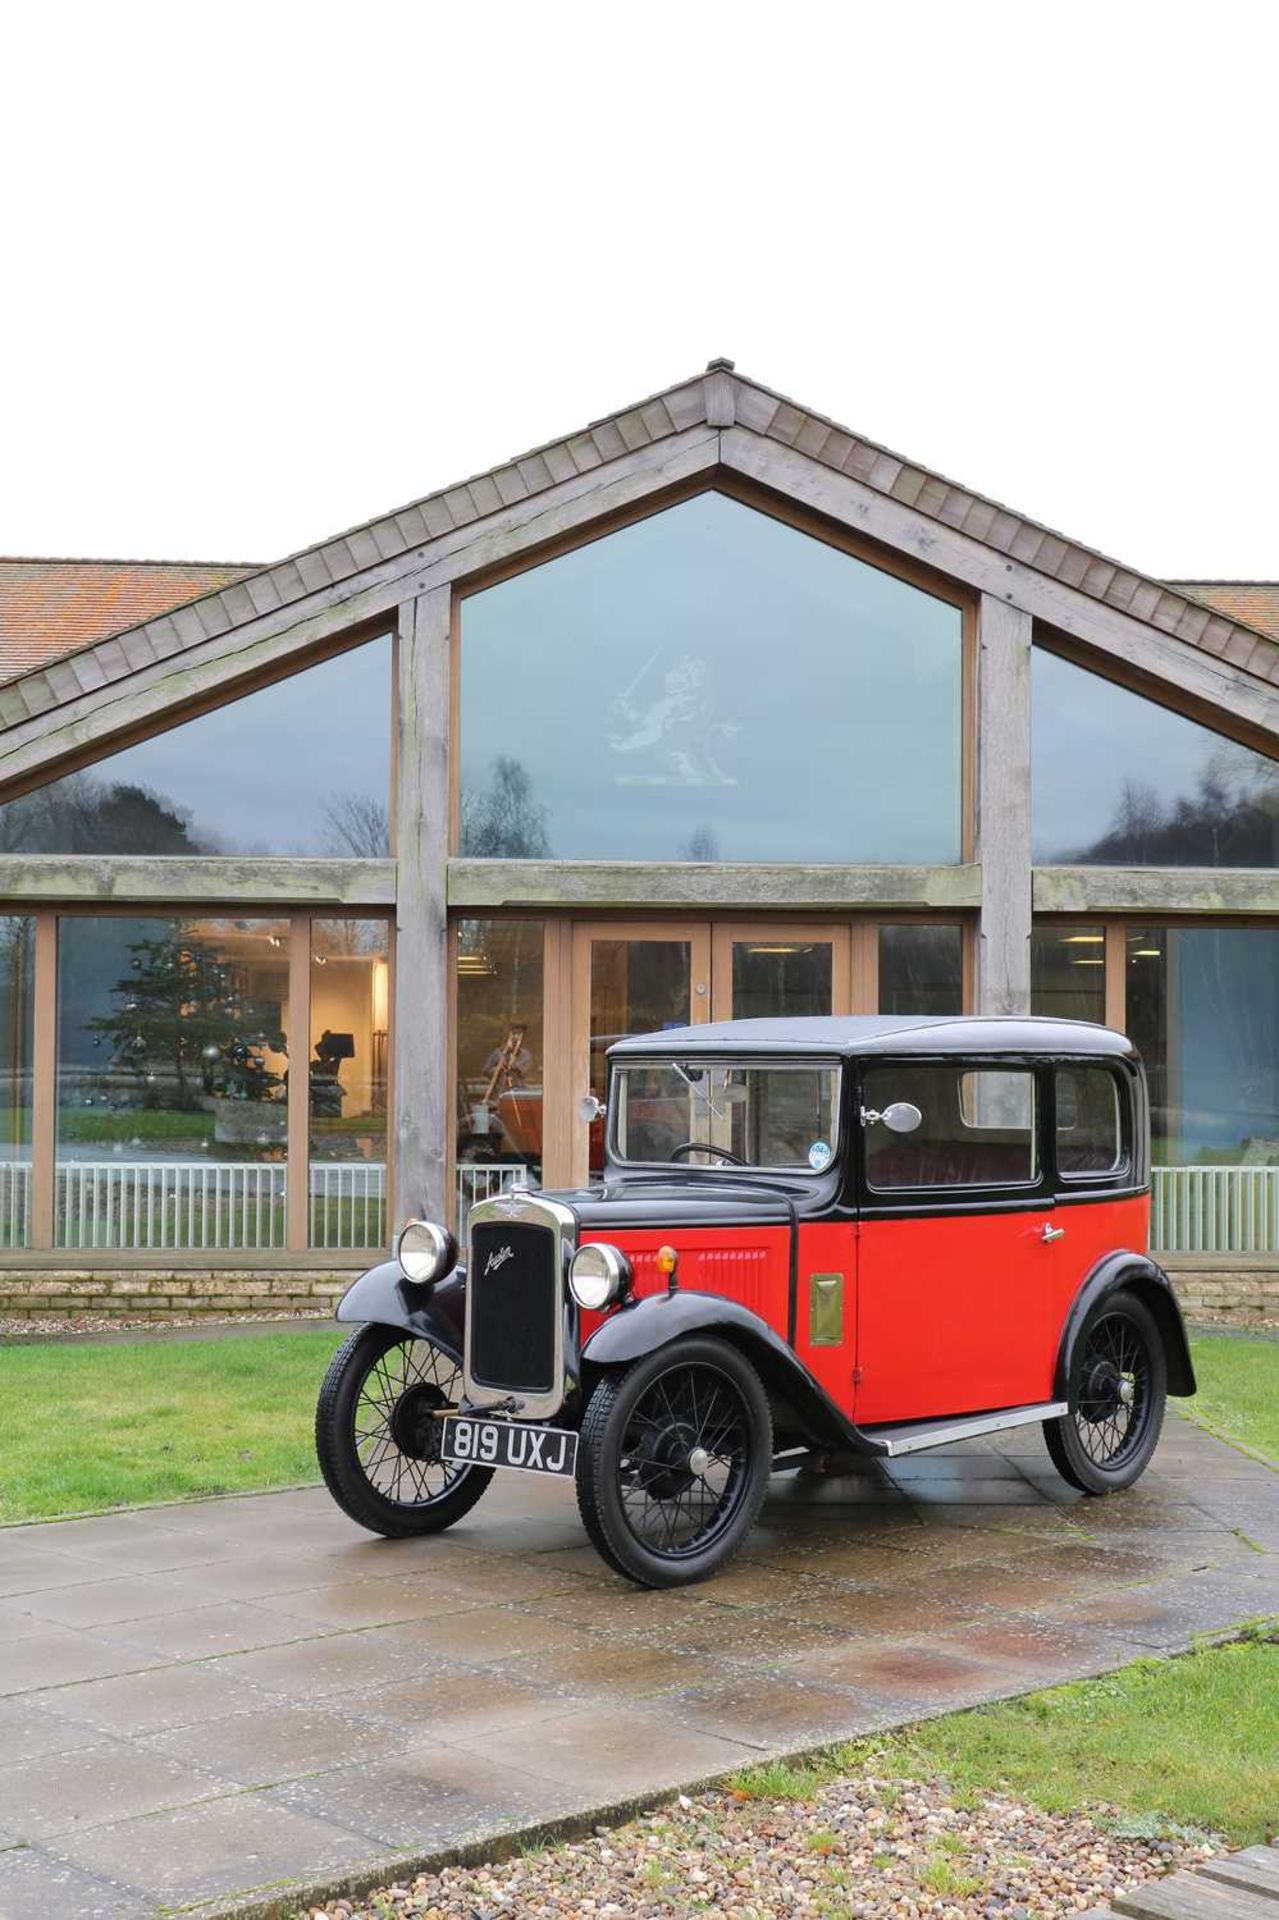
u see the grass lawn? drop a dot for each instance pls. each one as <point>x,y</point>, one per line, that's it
<point>1238,1393</point>
<point>84,1427</point>
<point>1192,1741</point>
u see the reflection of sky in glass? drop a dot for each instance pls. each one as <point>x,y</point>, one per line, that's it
<point>712,680</point>
<point>254,776</point>
<point>1095,743</point>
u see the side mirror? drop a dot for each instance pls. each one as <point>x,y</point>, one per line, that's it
<point>589,1109</point>
<point>899,1117</point>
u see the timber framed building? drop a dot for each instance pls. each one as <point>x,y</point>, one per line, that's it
<point>326,884</point>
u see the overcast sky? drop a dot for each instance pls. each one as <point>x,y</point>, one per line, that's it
<point>272,269</point>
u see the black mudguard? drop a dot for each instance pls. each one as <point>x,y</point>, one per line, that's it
<point>1137,1273</point>
<point>657,1320</point>
<point>436,1311</point>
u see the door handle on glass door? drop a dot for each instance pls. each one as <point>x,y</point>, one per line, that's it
<point>1048,1233</point>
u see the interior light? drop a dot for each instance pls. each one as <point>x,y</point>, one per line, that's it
<point>1085,962</point>
<point>1083,939</point>
<point>793,948</point>
<point>1147,953</point>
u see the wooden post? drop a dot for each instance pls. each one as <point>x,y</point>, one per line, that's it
<point>1003,807</point>
<point>44,1083</point>
<point>298,1172</point>
<point>423,1087</point>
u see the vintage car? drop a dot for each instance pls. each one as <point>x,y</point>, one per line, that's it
<point>814,1239</point>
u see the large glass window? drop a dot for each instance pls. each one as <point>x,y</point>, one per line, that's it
<point>1121,781</point>
<point>350,1016</point>
<point>921,969</point>
<point>1068,972</point>
<point>711,684</point>
<point>1203,1008</point>
<point>302,766</point>
<point>17,1007</point>
<point>172,1072</point>
<point>499,1056</point>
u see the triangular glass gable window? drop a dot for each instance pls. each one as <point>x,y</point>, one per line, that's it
<point>1118,780</point>
<point>300,767</point>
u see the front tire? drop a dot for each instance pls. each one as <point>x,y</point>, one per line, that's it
<point>673,1462</point>
<point>1118,1389</point>
<point>377,1437</point>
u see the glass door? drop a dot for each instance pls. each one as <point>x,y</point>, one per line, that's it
<point>629,979</point>
<point>775,970</point>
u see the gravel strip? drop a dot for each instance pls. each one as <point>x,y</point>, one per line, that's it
<point>860,1848</point>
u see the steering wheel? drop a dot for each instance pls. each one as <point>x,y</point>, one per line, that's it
<point>704,1146</point>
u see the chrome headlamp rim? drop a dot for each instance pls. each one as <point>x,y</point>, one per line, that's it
<point>426,1251</point>
<point>598,1275</point>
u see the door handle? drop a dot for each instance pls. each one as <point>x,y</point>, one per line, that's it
<point>1048,1233</point>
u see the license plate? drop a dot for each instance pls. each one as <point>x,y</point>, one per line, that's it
<point>508,1443</point>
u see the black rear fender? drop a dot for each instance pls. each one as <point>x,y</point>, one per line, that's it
<point>661,1319</point>
<point>1134,1273</point>
<point>436,1311</point>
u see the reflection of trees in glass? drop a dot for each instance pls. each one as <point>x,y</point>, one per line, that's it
<point>356,827</point>
<point>503,820</point>
<point>702,844</point>
<point>1231,819</point>
<point>177,1027</point>
<point>82,814</point>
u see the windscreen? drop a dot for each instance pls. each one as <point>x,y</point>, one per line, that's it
<point>696,1113</point>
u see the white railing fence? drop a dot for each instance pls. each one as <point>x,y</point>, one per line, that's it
<point>221,1207</point>
<point>197,1206</point>
<point>1214,1210</point>
<point>482,1181</point>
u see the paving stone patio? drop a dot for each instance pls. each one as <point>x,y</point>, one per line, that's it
<point>202,1701</point>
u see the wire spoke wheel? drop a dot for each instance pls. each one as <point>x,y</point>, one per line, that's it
<point>683,1460</point>
<point>378,1431</point>
<point>396,1426</point>
<point>674,1461</point>
<point>1118,1383</point>
<point>1114,1391</point>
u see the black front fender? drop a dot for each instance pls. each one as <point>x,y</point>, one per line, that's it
<point>659,1319</point>
<point>436,1311</point>
<point>1136,1273</point>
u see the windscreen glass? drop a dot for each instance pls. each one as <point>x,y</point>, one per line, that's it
<point>696,1113</point>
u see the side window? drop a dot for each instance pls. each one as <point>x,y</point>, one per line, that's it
<point>1089,1130</point>
<point>977,1127</point>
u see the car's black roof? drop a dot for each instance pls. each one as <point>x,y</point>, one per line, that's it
<point>850,1035</point>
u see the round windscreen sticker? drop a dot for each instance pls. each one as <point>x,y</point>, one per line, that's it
<point>818,1156</point>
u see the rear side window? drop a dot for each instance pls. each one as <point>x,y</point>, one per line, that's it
<point>1090,1140</point>
<point>976,1127</point>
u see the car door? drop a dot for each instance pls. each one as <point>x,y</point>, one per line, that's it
<point>955,1266</point>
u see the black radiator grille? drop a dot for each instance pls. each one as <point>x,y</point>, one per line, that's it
<point>513,1300</point>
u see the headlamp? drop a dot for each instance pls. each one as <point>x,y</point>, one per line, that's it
<point>599,1274</point>
<point>426,1252</point>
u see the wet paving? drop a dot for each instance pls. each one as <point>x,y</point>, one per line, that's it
<point>204,1700</point>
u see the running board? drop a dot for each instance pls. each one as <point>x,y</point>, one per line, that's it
<point>915,1435</point>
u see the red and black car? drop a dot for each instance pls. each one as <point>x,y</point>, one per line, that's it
<point>812,1237</point>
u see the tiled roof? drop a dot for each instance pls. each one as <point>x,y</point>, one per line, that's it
<point>719,399</point>
<point>1255,603</point>
<point>48,608</point>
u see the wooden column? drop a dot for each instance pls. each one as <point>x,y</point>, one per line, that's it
<point>44,1082</point>
<point>423,1088</point>
<point>1003,807</point>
